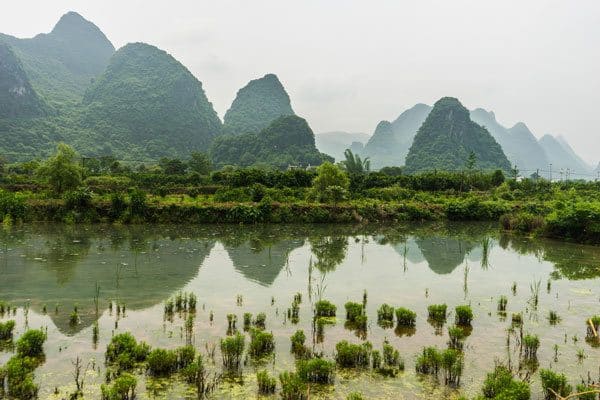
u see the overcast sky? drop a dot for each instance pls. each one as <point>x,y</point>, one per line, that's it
<point>349,64</point>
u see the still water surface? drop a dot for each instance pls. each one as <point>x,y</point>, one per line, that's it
<point>58,267</point>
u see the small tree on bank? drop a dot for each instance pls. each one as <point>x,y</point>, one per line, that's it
<point>331,183</point>
<point>61,171</point>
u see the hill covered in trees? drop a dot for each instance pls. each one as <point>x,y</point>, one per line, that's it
<point>147,103</point>
<point>256,105</point>
<point>62,63</point>
<point>286,141</point>
<point>448,139</point>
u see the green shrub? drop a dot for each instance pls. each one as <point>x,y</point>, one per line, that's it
<point>31,344</point>
<point>316,370</point>
<point>298,348</point>
<point>355,396</point>
<point>557,382</point>
<point>137,202</point>
<point>78,199</point>
<point>18,373</point>
<point>185,356</point>
<point>324,308</point>
<point>429,361</point>
<point>161,362</point>
<point>266,383</point>
<point>531,344</point>
<point>232,348</point>
<point>350,355</point>
<point>292,387</point>
<point>501,385</point>
<point>122,388</point>
<point>456,335</point>
<point>261,343</point>
<point>405,317</point>
<point>124,351</point>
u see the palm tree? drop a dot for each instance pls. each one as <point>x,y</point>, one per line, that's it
<point>353,164</point>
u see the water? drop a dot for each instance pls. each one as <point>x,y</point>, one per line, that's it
<point>412,266</point>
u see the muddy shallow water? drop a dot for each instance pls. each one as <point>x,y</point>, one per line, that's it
<point>57,267</point>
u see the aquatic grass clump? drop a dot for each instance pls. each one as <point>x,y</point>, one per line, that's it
<point>500,384</point>
<point>232,348</point>
<point>293,313</point>
<point>6,330</point>
<point>4,308</point>
<point>587,391</point>
<point>74,317</point>
<point>517,319</point>
<point>298,348</point>
<point>261,343</point>
<point>122,388</point>
<point>350,355</point>
<point>429,361</point>
<point>437,313</point>
<point>452,366</point>
<point>391,363</point>
<point>554,382</point>
<point>502,302</point>
<point>292,387</point>
<point>196,374</point>
<point>405,317</point>
<point>385,315</point>
<point>355,396</point>
<point>531,344</point>
<point>353,311</point>
<point>316,370</point>
<point>553,317</point>
<point>457,336</point>
<point>324,308</point>
<point>266,383</point>
<point>464,315</point>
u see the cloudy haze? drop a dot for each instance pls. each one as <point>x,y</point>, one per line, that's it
<point>348,64</point>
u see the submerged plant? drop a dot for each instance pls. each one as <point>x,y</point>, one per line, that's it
<point>452,366</point>
<point>429,361</point>
<point>502,302</point>
<point>500,384</point>
<point>122,388</point>
<point>247,321</point>
<point>553,317</point>
<point>353,311</point>
<point>298,348</point>
<point>260,321</point>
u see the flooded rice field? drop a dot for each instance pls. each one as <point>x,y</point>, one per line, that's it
<point>126,279</point>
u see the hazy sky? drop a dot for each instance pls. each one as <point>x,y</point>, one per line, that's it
<point>349,64</point>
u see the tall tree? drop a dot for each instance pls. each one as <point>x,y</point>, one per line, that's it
<point>61,170</point>
<point>353,164</point>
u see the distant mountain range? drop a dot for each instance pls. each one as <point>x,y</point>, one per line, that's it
<point>391,141</point>
<point>139,104</point>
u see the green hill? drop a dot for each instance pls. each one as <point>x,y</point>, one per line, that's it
<point>447,138</point>
<point>146,104</point>
<point>62,63</point>
<point>256,105</point>
<point>18,99</point>
<point>286,141</point>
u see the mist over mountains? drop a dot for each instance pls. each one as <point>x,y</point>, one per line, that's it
<point>139,104</point>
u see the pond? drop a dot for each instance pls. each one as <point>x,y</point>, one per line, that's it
<point>47,270</point>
